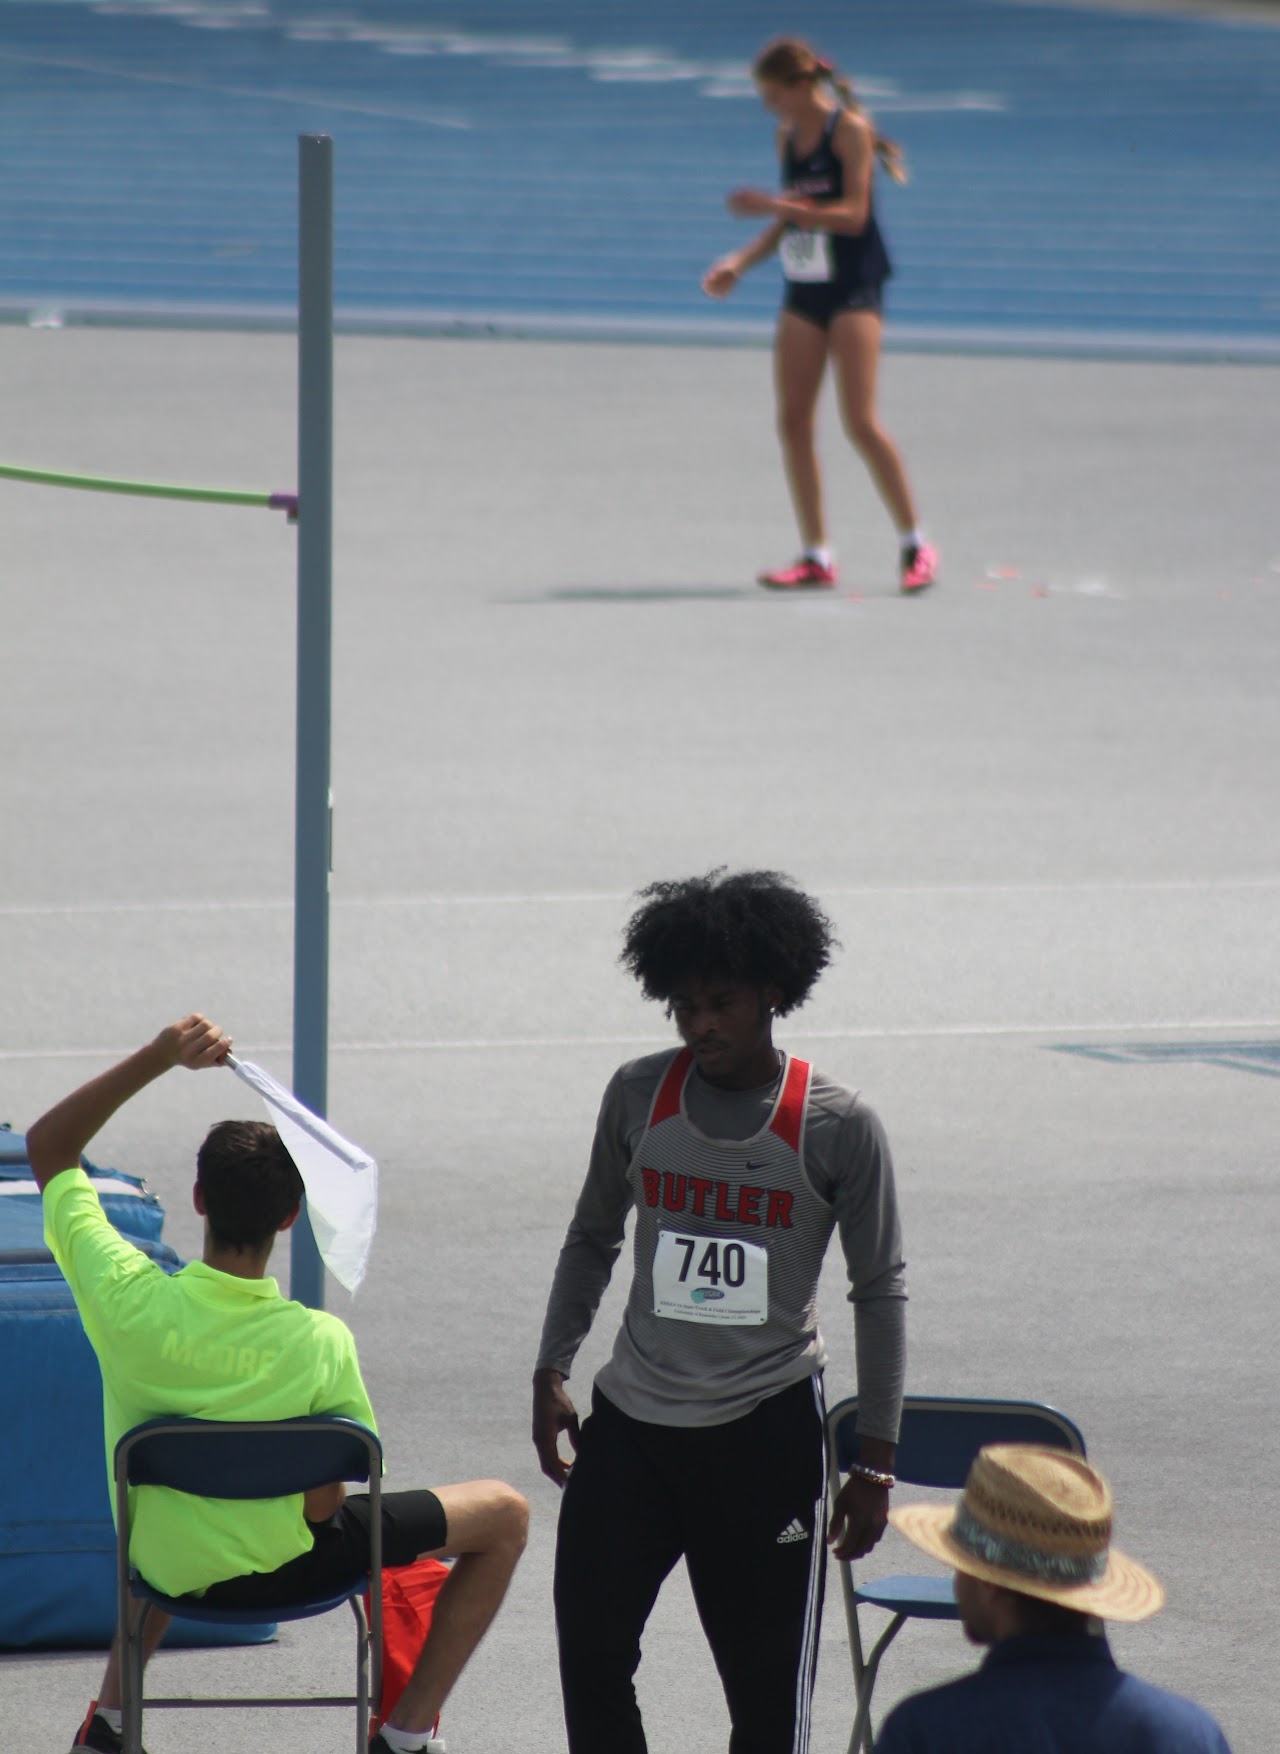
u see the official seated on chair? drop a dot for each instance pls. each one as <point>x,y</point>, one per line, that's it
<point>218,1341</point>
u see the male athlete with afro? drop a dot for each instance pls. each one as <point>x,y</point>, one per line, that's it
<point>705,1438</point>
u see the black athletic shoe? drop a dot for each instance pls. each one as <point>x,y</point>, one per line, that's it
<point>95,1735</point>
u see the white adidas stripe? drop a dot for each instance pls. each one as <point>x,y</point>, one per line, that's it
<point>817,1556</point>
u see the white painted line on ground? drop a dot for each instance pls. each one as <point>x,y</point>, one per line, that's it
<point>57,910</point>
<point>263,94</point>
<point>580,897</point>
<point>516,1043</point>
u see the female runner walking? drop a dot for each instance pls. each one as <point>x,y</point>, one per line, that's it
<point>824,228</point>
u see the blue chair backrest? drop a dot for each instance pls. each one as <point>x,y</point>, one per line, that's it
<point>216,1458</point>
<point>939,1437</point>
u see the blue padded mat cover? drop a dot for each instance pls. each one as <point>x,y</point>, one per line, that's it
<point>129,1205</point>
<point>57,1542</point>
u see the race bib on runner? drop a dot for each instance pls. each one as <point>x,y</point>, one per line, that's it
<point>806,255</point>
<point>712,1279</point>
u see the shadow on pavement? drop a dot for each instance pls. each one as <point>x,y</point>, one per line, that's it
<point>638,594</point>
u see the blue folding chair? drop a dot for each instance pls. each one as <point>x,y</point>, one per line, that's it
<point>243,1459</point>
<point>937,1443</point>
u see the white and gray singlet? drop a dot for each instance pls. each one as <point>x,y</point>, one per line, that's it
<point>736,1195</point>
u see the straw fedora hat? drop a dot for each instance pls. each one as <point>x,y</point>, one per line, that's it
<point>1037,1521</point>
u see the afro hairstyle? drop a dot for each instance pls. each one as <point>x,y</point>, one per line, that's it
<point>750,926</point>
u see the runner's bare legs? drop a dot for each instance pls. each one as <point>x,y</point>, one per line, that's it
<point>799,360</point>
<point>855,354</point>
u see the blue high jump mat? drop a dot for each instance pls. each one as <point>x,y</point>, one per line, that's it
<point>57,1539</point>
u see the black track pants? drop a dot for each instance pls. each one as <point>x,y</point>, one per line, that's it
<point>744,1503</point>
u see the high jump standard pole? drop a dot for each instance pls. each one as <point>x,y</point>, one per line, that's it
<point>313,820</point>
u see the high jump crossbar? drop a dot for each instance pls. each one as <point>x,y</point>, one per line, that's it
<point>276,502</point>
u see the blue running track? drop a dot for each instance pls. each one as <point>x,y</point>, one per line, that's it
<point>1080,179</point>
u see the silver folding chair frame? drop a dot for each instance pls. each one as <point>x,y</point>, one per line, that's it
<point>365,1699</point>
<point>866,1666</point>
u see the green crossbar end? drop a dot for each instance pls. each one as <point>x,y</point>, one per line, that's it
<point>276,502</point>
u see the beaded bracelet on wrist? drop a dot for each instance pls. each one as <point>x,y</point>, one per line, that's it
<point>873,1476</point>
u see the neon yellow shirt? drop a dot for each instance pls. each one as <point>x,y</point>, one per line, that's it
<point>197,1344</point>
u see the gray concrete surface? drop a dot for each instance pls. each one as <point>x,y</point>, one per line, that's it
<point>1040,804</point>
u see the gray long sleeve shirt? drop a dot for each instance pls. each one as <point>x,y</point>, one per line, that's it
<point>673,1372</point>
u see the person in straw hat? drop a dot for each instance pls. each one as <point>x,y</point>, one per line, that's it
<point>1035,1575</point>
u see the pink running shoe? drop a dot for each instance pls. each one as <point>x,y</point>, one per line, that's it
<point>803,575</point>
<point>919,567</point>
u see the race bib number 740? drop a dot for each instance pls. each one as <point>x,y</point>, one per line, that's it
<point>710,1279</point>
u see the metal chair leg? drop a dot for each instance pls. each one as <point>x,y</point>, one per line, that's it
<point>132,1664</point>
<point>362,1676</point>
<point>851,1622</point>
<point>860,1736</point>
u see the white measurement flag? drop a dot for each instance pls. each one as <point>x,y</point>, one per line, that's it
<point>341,1180</point>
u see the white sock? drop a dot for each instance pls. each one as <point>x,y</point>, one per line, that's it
<point>114,1718</point>
<point>912,538</point>
<point>820,556</point>
<point>405,1741</point>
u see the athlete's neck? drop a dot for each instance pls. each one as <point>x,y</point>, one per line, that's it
<point>761,1070</point>
<point>811,122</point>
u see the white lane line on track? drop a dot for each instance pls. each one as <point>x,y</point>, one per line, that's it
<point>514,1043</point>
<point>569,897</point>
<point>263,94</point>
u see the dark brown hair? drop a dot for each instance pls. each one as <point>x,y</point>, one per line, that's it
<point>249,1182</point>
<point>789,61</point>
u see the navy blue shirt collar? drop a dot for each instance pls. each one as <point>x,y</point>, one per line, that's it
<point>1042,1647</point>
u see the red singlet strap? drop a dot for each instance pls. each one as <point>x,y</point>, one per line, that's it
<point>789,1118</point>
<point>667,1102</point>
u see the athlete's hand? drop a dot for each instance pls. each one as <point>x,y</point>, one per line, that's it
<point>859,1517</point>
<point>553,1412</point>
<point>749,203</point>
<point>194,1043</point>
<point>721,277</point>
